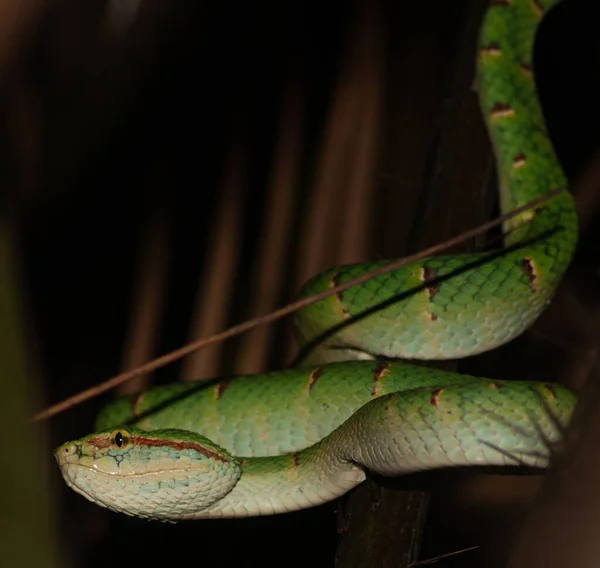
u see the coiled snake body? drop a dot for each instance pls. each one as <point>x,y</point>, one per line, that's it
<point>309,434</point>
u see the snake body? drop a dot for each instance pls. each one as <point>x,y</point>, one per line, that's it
<point>308,435</point>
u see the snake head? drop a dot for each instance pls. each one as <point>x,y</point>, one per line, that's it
<point>161,474</point>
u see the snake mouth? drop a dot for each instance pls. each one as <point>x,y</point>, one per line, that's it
<point>65,466</point>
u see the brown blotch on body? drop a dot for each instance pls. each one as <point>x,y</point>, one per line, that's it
<point>435,397</point>
<point>335,281</point>
<point>381,370</point>
<point>428,276</point>
<point>538,9</point>
<point>528,268</point>
<point>526,69</point>
<point>550,390</point>
<point>519,161</point>
<point>220,388</point>
<point>501,110</point>
<point>295,460</point>
<point>492,48</point>
<point>314,375</point>
<point>389,409</point>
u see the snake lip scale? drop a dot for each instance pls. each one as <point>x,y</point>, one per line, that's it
<point>286,440</point>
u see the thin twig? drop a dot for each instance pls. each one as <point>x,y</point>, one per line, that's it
<point>284,311</point>
<point>150,283</point>
<point>442,556</point>
<point>266,281</point>
<point>216,291</point>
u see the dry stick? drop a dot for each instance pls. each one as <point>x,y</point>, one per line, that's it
<point>368,42</point>
<point>151,281</point>
<point>442,556</point>
<point>335,226</point>
<point>316,250</point>
<point>290,308</point>
<point>323,216</point>
<point>216,292</point>
<point>16,22</point>
<point>276,229</point>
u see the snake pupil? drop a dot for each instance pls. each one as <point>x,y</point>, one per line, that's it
<point>119,439</point>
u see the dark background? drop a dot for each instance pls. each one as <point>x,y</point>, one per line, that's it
<point>104,131</point>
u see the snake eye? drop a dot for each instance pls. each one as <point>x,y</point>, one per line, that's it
<point>120,439</point>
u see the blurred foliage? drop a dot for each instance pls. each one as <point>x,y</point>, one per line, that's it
<point>28,535</point>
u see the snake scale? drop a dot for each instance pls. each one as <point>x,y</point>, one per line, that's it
<point>308,435</point>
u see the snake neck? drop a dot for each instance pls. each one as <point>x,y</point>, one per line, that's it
<point>528,166</point>
<point>282,484</point>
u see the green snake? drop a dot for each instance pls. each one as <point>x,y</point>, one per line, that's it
<point>308,435</point>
